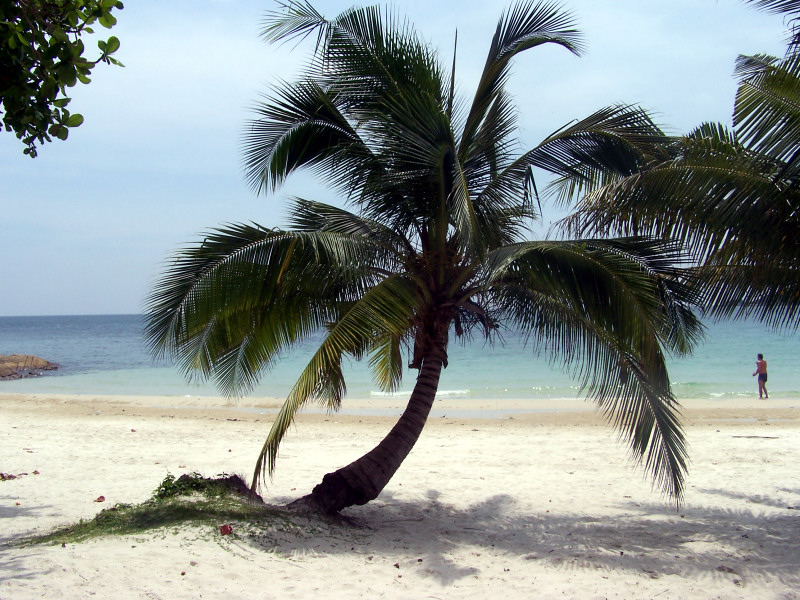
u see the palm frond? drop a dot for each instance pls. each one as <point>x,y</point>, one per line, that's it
<point>710,188</point>
<point>222,307</point>
<point>386,362</point>
<point>612,143</point>
<point>777,6</point>
<point>293,19</point>
<point>791,8</point>
<point>301,125</point>
<point>386,310</point>
<point>767,111</point>
<point>764,290</point>
<point>606,307</point>
<point>524,26</point>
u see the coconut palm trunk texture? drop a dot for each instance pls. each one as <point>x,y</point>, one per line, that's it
<point>364,479</point>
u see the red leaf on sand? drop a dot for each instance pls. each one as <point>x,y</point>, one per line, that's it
<point>225,529</point>
<point>100,499</point>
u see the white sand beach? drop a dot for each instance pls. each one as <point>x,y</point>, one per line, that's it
<point>518,504</point>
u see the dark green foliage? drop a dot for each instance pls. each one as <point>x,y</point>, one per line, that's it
<point>194,483</point>
<point>731,196</point>
<point>41,55</point>
<point>186,485</point>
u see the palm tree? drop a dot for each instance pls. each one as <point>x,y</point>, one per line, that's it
<point>731,196</point>
<point>785,7</point>
<point>434,246</point>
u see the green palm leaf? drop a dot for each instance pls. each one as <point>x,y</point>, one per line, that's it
<point>767,110</point>
<point>229,306</point>
<point>560,293</point>
<point>730,197</point>
<point>524,26</point>
<point>386,310</point>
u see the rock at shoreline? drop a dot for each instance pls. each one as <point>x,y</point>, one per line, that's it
<point>17,366</point>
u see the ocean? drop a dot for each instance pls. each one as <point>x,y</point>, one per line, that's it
<point>106,355</point>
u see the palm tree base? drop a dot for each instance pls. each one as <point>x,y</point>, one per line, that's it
<point>330,496</point>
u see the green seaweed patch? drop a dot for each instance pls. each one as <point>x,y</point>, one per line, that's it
<point>190,500</point>
<point>189,484</point>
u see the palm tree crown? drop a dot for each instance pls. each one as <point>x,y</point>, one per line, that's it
<point>435,242</point>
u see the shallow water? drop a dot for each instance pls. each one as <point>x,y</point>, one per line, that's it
<point>106,355</point>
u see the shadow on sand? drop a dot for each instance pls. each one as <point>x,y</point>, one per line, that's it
<point>744,546</point>
<point>11,564</point>
<point>699,542</point>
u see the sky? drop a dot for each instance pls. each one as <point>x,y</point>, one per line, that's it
<point>87,226</point>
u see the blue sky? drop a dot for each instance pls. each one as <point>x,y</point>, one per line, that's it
<point>87,226</point>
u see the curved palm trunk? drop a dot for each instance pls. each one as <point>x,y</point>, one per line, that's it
<point>362,480</point>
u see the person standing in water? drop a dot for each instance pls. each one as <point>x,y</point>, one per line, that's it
<point>761,371</point>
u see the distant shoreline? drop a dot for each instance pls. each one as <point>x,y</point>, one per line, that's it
<point>552,411</point>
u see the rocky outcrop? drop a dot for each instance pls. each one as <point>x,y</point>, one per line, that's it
<point>17,366</point>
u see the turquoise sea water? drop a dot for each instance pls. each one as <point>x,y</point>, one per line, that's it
<point>106,355</point>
